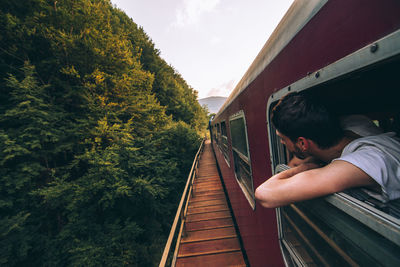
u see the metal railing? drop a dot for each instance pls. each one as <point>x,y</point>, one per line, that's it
<point>181,212</point>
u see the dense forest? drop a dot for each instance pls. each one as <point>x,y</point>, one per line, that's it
<point>97,135</point>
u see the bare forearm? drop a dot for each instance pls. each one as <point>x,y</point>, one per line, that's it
<point>280,189</point>
<point>337,176</point>
<point>272,193</point>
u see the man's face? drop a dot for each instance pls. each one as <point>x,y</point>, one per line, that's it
<point>292,147</point>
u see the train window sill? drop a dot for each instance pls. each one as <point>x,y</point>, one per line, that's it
<point>382,217</point>
<point>378,220</point>
<point>360,204</point>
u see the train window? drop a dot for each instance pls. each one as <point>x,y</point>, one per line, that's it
<point>224,143</point>
<point>223,128</point>
<point>353,227</point>
<point>218,133</point>
<point>241,156</point>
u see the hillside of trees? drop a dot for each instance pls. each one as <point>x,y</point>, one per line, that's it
<point>97,135</point>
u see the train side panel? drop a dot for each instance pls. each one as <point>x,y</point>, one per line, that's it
<point>338,29</point>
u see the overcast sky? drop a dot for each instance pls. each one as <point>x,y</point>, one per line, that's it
<point>211,43</point>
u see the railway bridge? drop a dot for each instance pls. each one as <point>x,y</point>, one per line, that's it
<point>204,231</point>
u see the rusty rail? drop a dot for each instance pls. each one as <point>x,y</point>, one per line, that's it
<point>181,212</point>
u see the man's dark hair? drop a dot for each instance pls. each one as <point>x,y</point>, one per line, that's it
<point>300,115</point>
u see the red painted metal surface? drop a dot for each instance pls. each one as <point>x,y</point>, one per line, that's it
<point>338,29</point>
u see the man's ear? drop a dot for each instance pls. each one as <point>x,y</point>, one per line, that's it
<point>303,144</point>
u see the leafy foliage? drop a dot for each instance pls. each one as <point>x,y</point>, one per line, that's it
<point>96,139</point>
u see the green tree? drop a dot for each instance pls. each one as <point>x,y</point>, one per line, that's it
<point>96,139</point>
<point>29,147</point>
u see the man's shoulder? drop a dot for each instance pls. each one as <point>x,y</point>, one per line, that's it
<point>386,142</point>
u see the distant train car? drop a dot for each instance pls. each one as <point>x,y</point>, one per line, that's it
<point>346,52</point>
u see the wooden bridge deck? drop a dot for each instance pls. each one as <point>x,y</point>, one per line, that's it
<point>210,238</point>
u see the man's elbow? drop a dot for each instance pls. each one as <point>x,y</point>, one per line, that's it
<point>265,199</point>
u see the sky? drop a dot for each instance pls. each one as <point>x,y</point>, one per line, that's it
<point>211,43</point>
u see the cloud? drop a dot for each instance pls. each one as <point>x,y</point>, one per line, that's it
<point>222,90</point>
<point>192,10</point>
<point>215,40</point>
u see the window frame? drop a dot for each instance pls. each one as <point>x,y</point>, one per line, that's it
<point>250,195</point>
<point>225,144</point>
<point>218,133</point>
<point>376,220</point>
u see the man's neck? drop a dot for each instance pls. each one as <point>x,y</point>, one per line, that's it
<point>328,154</point>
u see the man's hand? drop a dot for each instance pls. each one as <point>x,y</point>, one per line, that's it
<point>295,161</point>
<point>295,170</point>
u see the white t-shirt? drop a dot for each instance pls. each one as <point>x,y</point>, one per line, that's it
<point>379,157</point>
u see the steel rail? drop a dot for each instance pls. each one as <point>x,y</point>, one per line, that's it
<point>180,213</point>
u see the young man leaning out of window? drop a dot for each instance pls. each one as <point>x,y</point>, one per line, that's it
<point>308,129</point>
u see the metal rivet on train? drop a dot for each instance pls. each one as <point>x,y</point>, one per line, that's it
<point>374,48</point>
<point>317,74</point>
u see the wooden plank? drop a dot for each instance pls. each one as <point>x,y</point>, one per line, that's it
<point>208,216</point>
<point>210,224</point>
<point>208,178</point>
<point>209,234</point>
<point>209,247</point>
<point>201,188</point>
<point>208,192</point>
<point>197,210</point>
<point>215,200</point>
<point>206,198</point>
<point>215,260</point>
<point>207,183</point>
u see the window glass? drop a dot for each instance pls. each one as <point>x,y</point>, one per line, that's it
<point>214,131</point>
<point>327,236</point>
<point>238,135</point>
<point>224,143</point>
<point>223,128</point>
<point>218,133</point>
<point>241,156</point>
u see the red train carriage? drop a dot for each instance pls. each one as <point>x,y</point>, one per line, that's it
<point>347,52</point>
